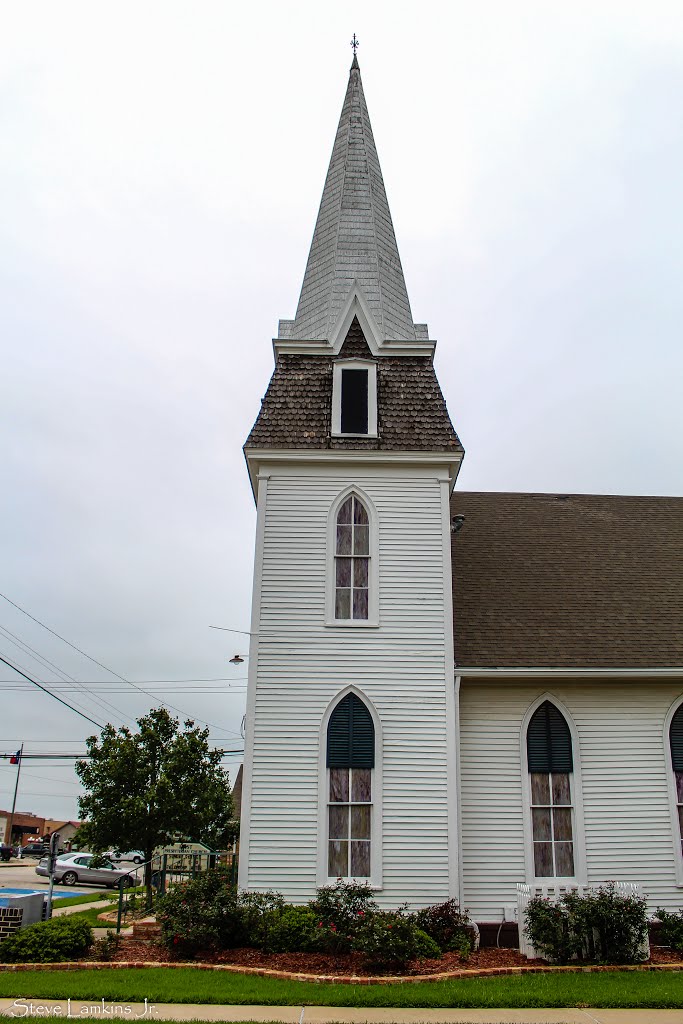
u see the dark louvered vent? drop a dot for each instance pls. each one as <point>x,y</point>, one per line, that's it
<point>351,735</point>
<point>676,740</point>
<point>549,741</point>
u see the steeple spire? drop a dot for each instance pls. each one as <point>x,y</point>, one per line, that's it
<point>353,243</point>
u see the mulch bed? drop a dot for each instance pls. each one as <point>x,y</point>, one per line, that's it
<point>346,964</point>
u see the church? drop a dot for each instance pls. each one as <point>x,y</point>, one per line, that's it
<point>449,693</point>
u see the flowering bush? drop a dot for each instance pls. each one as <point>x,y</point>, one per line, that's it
<point>341,910</point>
<point>390,939</point>
<point>448,925</point>
<point>208,913</point>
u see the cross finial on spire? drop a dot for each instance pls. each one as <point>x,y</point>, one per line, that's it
<point>354,44</point>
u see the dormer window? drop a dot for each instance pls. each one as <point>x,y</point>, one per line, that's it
<point>354,398</point>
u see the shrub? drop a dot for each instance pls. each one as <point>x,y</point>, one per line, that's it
<point>548,928</point>
<point>61,938</point>
<point>601,925</point>
<point>341,909</point>
<point>291,930</point>
<point>200,914</point>
<point>105,948</point>
<point>208,913</point>
<point>448,925</point>
<point>671,931</point>
<point>255,911</point>
<point>390,939</point>
<point>612,925</point>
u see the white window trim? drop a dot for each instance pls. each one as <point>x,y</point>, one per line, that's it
<point>376,814</point>
<point>576,790</point>
<point>373,575</point>
<point>354,364</point>
<point>673,801</point>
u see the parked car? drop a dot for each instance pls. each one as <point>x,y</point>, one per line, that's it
<point>137,856</point>
<point>35,849</point>
<point>7,851</point>
<point>71,868</point>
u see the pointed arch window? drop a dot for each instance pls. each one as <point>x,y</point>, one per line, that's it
<point>352,561</point>
<point>676,746</point>
<point>550,763</point>
<point>350,769</point>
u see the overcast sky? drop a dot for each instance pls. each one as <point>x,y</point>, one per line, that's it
<point>161,166</point>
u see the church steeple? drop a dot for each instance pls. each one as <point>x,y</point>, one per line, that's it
<point>354,245</point>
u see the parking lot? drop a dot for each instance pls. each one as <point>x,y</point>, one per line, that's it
<point>21,874</point>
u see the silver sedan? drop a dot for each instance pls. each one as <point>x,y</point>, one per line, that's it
<point>72,868</point>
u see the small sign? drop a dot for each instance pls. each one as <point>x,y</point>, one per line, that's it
<point>183,848</point>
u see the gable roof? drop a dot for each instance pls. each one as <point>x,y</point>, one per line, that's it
<point>353,241</point>
<point>569,581</point>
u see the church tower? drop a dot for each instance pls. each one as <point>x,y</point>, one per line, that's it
<point>350,760</point>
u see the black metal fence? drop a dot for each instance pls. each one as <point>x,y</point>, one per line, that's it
<point>168,869</point>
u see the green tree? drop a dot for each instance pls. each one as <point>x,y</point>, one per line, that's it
<point>148,788</point>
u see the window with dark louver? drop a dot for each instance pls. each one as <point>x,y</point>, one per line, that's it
<point>676,740</point>
<point>351,735</point>
<point>549,741</point>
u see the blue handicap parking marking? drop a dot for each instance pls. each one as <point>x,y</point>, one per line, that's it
<point>6,891</point>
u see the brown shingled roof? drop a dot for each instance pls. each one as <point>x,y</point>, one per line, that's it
<point>555,580</point>
<point>296,410</point>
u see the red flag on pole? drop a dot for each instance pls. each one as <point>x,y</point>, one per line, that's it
<point>15,758</point>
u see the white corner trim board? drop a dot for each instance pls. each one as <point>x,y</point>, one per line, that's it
<point>252,674</point>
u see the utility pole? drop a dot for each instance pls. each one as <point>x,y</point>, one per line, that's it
<point>16,787</point>
<point>52,860</point>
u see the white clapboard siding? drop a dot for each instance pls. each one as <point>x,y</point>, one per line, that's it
<point>401,665</point>
<point>629,832</point>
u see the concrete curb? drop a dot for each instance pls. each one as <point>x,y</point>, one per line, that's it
<point>488,972</point>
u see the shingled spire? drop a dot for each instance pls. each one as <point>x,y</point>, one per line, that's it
<point>354,239</point>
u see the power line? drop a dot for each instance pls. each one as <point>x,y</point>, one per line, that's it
<point>54,695</point>
<point>23,645</point>
<point>48,684</point>
<point>100,665</point>
<point>44,778</point>
<point>225,629</point>
<point>207,679</point>
<point>85,756</point>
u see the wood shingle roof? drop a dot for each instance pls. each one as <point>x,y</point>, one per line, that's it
<point>296,409</point>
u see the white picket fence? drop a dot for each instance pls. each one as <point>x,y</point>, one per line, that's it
<point>554,892</point>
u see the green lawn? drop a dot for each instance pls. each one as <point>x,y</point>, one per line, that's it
<point>189,985</point>
<point>90,916</point>
<point>90,897</point>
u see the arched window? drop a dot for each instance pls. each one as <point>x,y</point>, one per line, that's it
<point>676,744</point>
<point>550,764</point>
<point>350,764</point>
<point>352,560</point>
